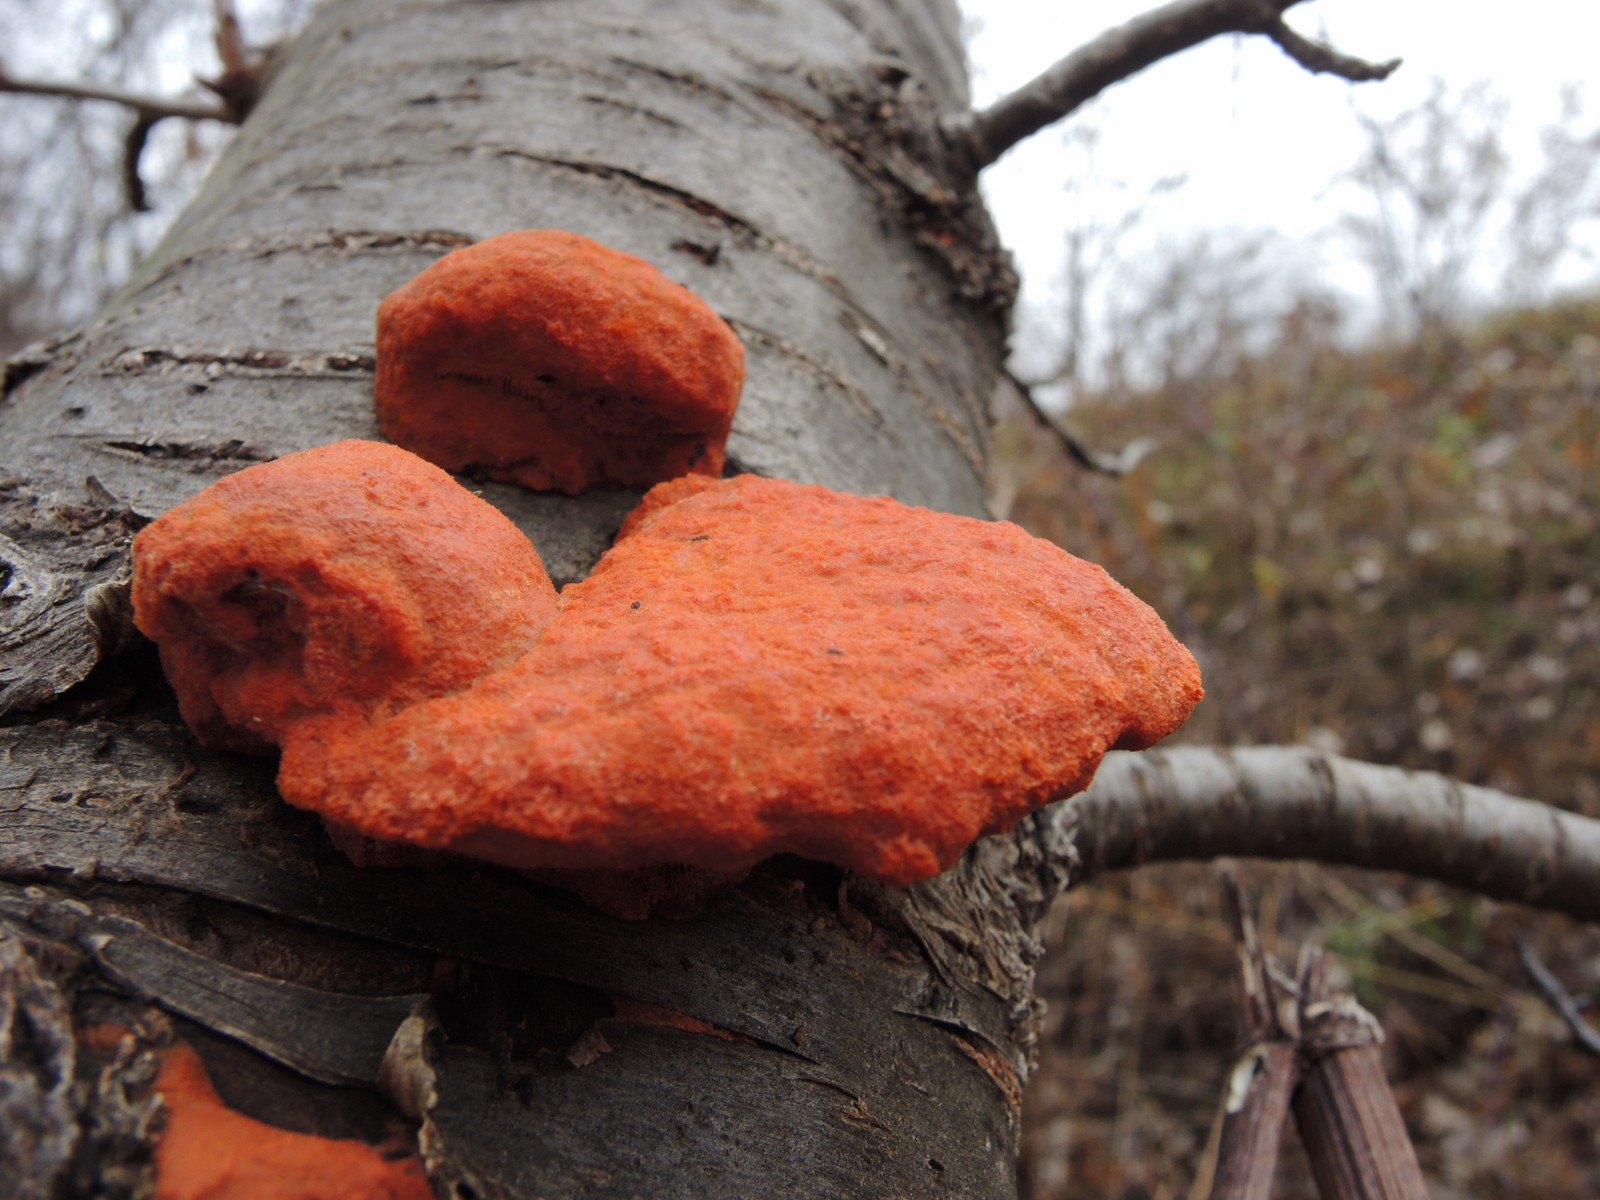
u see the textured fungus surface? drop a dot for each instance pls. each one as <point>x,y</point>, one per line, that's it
<point>766,667</point>
<point>352,578</point>
<point>756,667</point>
<point>547,359</point>
<point>210,1152</point>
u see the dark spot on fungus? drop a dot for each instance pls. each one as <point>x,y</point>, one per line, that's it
<point>557,363</point>
<point>330,581</point>
<point>636,604</point>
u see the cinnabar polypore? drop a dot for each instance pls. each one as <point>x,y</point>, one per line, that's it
<point>210,1152</point>
<point>756,668</point>
<point>547,359</point>
<point>351,578</point>
<point>766,667</point>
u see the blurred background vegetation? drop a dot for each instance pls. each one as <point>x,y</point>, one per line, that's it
<point>1372,515</point>
<point>1393,552</point>
<point>1375,518</point>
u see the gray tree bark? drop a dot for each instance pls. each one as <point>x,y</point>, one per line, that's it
<point>782,159</point>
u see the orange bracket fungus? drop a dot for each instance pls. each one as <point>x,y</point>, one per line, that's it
<point>761,667</point>
<point>210,1152</point>
<point>332,580</point>
<point>546,359</point>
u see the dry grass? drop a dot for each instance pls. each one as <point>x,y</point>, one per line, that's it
<point>1395,554</point>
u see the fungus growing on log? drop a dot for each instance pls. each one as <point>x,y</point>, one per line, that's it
<point>756,667</point>
<point>546,359</point>
<point>766,667</point>
<point>210,1152</point>
<point>352,578</point>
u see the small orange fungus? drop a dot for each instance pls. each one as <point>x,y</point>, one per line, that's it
<point>547,359</point>
<point>210,1152</point>
<point>350,578</point>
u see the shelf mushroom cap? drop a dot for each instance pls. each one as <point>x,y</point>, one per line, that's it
<point>332,580</point>
<point>544,358</point>
<point>762,667</point>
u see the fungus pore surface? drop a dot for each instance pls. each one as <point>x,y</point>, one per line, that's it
<point>353,578</point>
<point>546,359</point>
<point>763,667</point>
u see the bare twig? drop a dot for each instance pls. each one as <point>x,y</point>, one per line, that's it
<point>152,107</point>
<point>1560,999</point>
<point>1281,802</point>
<point>1349,1123</point>
<point>239,87</point>
<point>232,49</point>
<point>1321,59</point>
<point>245,70</point>
<point>1256,1101</point>
<point>132,152</point>
<point>1254,1110</point>
<point>979,138</point>
<point>1115,464</point>
<point>148,111</point>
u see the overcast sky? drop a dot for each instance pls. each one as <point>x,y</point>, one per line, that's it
<point>1260,141</point>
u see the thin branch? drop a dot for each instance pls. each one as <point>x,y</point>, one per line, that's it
<point>1114,464</point>
<point>1560,999</point>
<point>979,138</point>
<point>239,87</point>
<point>1350,1126</point>
<point>233,51</point>
<point>147,111</point>
<point>1280,802</point>
<point>1322,59</point>
<point>132,151</point>
<point>152,108</point>
<point>245,70</point>
<point>1261,1084</point>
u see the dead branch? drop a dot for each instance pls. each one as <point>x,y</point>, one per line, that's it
<point>244,75</point>
<point>1283,802</point>
<point>148,111</point>
<point>979,138</point>
<point>145,106</point>
<point>233,51</point>
<point>1349,1123</point>
<point>245,70</point>
<point>1560,999</point>
<point>1113,463</point>
<point>1261,1084</point>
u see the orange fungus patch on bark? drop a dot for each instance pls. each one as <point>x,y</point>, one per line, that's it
<point>764,667</point>
<point>210,1152</point>
<point>353,578</point>
<point>547,359</point>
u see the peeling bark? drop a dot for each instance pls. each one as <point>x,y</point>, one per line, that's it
<point>849,1053</point>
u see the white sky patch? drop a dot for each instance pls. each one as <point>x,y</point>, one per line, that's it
<point>1260,142</point>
